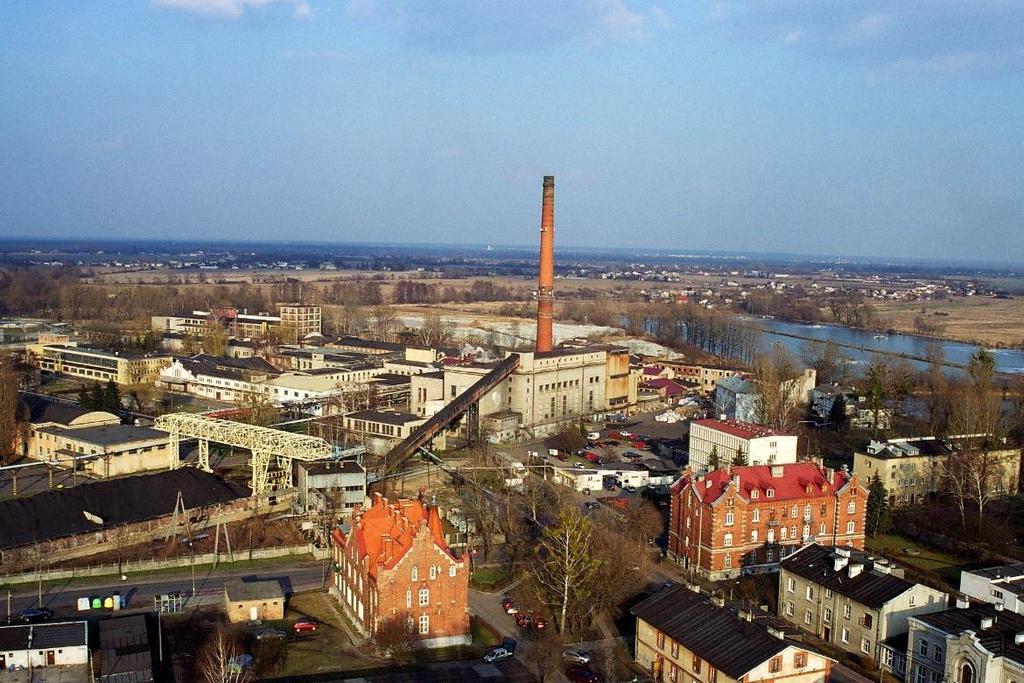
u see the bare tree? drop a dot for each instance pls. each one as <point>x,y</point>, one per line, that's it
<point>435,333</point>
<point>384,322</point>
<point>979,471</point>
<point>220,660</point>
<point>396,638</point>
<point>776,382</point>
<point>565,566</point>
<point>13,414</point>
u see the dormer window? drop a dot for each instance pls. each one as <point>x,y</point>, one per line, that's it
<point>755,494</point>
<point>770,493</point>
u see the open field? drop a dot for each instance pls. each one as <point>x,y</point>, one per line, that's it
<point>976,320</point>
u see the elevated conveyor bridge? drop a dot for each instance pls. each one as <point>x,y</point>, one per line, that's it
<point>443,419</point>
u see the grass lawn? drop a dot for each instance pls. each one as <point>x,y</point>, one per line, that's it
<point>944,564</point>
<point>483,637</point>
<point>327,649</point>
<point>490,578</point>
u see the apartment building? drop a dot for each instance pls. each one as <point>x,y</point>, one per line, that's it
<point>724,439</point>
<point>850,599</point>
<point>967,644</point>
<point>912,468</point>
<point>393,569</point>
<point>1002,585</point>
<point>683,636</point>
<point>101,366</point>
<point>748,518</point>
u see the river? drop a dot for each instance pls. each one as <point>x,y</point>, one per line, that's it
<point>859,344</point>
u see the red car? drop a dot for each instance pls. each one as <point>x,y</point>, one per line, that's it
<point>638,444</point>
<point>305,625</point>
<point>509,605</point>
<point>591,456</point>
<point>539,622</point>
<point>523,620</point>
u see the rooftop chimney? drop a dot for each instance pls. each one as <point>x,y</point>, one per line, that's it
<point>546,273</point>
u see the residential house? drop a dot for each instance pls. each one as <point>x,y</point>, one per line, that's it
<point>683,636</point>
<point>743,519</point>
<point>851,600</point>
<point>34,646</point>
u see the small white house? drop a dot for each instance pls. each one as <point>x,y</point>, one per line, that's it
<point>40,645</point>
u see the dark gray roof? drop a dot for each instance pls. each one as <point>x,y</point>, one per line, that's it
<point>42,409</point>
<point>240,591</point>
<point>44,636</point>
<point>227,368</point>
<point>108,435</point>
<point>871,587</point>
<point>126,655</point>
<point>332,467</point>
<point>368,344</point>
<point>56,514</point>
<point>717,635</point>
<point>999,638</point>
<point>391,417</point>
<point>1002,571</point>
<point>391,378</point>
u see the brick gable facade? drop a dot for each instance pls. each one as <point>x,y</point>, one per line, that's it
<point>393,565</point>
<point>753,516</point>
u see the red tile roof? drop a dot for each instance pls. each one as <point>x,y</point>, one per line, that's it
<point>385,532</point>
<point>797,480</point>
<point>743,430</point>
<point>671,388</point>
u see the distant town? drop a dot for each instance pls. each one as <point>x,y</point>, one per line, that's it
<point>230,465</point>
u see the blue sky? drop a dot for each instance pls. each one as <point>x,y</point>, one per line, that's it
<point>848,127</point>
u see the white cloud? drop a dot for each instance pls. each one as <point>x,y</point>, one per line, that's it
<point>622,23</point>
<point>232,9</point>
<point>792,37</point>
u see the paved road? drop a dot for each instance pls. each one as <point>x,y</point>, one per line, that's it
<point>62,597</point>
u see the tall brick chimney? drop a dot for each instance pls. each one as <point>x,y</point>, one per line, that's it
<point>546,272</point>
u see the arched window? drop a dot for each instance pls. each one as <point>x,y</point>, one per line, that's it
<point>966,673</point>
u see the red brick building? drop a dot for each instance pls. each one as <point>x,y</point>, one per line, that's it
<point>755,515</point>
<point>392,564</point>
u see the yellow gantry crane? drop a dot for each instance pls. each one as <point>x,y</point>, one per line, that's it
<point>264,443</point>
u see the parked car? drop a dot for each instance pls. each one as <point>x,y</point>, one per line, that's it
<point>539,622</point>
<point>638,444</point>
<point>523,620</point>
<point>305,625</point>
<point>576,656</point>
<point>629,489</point>
<point>582,674</point>
<point>591,456</point>
<point>594,436</point>
<point>503,651</point>
<point>34,614</point>
<point>591,505</point>
<point>509,605</point>
<point>267,633</point>
<point>633,455</point>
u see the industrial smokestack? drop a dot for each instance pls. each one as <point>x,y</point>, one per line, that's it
<point>546,273</point>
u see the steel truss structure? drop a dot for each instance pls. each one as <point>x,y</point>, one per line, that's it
<point>265,444</point>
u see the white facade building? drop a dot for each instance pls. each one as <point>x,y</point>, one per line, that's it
<point>725,438</point>
<point>33,646</point>
<point>1001,585</point>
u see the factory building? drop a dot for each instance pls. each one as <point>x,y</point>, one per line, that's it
<point>548,390</point>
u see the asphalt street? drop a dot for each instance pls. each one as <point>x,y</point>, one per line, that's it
<point>140,589</point>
